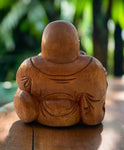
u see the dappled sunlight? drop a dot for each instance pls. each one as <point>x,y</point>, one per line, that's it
<point>6,120</point>
<point>115,96</point>
<point>110,140</point>
<point>18,134</point>
<point>113,123</point>
<point>7,91</point>
<point>7,85</point>
<point>115,91</point>
<point>112,135</point>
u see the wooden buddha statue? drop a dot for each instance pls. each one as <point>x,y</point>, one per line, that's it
<point>62,86</point>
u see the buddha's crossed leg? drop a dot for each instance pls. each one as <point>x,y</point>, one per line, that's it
<point>25,106</point>
<point>92,110</point>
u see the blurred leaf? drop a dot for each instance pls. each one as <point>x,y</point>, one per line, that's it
<point>105,4</point>
<point>5,3</point>
<point>57,4</point>
<point>24,25</point>
<point>86,28</point>
<point>38,19</point>
<point>117,12</point>
<point>7,91</point>
<point>67,10</point>
<point>9,22</point>
<point>80,5</point>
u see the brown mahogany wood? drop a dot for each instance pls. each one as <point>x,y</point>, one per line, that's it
<point>16,135</point>
<point>62,86</point>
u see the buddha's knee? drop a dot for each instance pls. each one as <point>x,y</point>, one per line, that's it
<point>92,111</point>
<point>25,106</point>
<point>92,118</point>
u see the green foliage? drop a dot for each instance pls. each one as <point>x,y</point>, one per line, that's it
<point>105,4</point>
<point>34,22</point>
<point>117,12</point>
<point>67,15</point>
<point>7,91</point>
<point>21,26</point>
<point>5,4</point>
<point>87,29</point>
<point>37,19</point>
<point>80,14</point>
<point>9,22</point>
<point>22,23</point>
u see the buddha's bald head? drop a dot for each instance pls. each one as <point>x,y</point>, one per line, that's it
<point>60,43</point>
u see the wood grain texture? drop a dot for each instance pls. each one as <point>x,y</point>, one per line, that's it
<point>20,137</point>
<point>68,138</point>
<point>63,86</point>
<point>15,135</point>
<point>107,136</point>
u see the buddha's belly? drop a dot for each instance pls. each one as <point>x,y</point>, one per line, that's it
<point>59,112</point>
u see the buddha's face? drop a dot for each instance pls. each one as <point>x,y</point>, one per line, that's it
<point>60,43</point>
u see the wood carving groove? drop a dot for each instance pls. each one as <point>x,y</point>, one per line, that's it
<point>91,59</point>
<point>75,99</point>
<point>104,107</point>
<point>57,93</point>
<point>26,80</point>
<point>42,110</point>
<point>47,110</point>
<point>88,101</point>
<point>62,81</point>
<point>61,86</point>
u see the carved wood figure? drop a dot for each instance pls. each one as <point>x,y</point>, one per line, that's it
<point>62,86</point>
